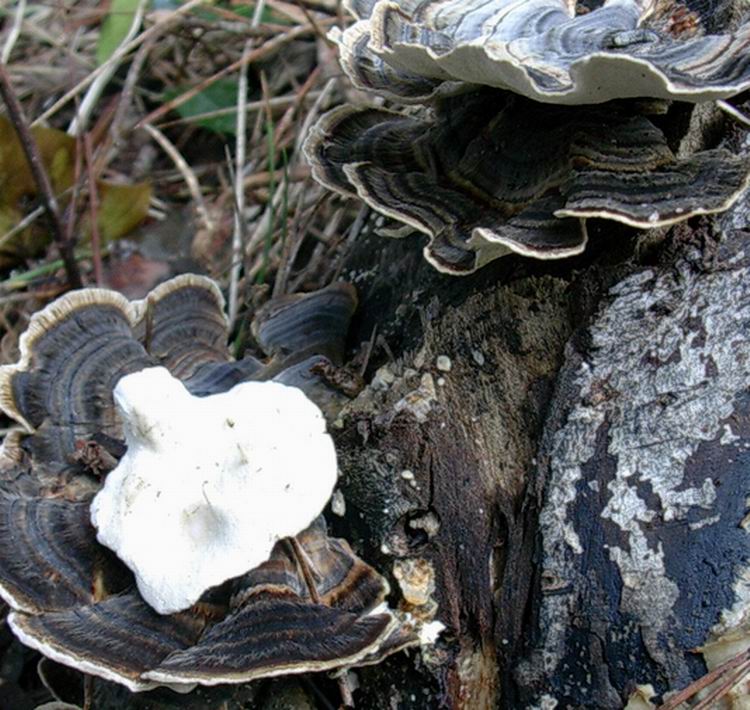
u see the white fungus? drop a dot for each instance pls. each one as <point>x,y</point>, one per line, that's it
<point>209,484</point>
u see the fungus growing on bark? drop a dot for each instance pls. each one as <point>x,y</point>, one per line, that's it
<point>543,50</point>
<point>209,484</point>
<point>484,172</point>
<point>312,605</point>
<point>491,173</point>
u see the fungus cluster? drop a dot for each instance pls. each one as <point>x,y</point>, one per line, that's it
<point>514,146</point>
<point>160,502</point>
<point>542,49</point>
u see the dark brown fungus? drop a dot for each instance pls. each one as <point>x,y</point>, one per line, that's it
<point>301,324</point>
<point>182,324</point>
<point>491,173</point>
<point>49,556</point>
<point>313,588</point>
<point>248,645</point>
<point>119,638</point>
<point>483,172</point>
<point>72,354</point>
<point>312,606</point>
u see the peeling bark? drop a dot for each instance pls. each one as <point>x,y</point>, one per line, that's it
<point>577,478</point>
<point>645,466</point>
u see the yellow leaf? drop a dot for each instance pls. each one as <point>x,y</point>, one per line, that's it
<point>121,208</point>
<point>57,150</point>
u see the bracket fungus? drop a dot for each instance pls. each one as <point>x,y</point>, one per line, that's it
<point>492,173</point>
<point>542,49</point>
<point>299,601</point>
<point>488,166</point>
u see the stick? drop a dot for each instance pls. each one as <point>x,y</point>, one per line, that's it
<point>239,188</point>
<point>187,174</point>
<point>696,686</point>
<point>30,149</point>
<point>78,124</point>
<point>96,249</point>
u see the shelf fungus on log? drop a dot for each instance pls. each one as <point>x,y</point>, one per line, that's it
<point>484,174</point>
<point>300,601</point>
<point>491,173</point>
<point>543,49</point>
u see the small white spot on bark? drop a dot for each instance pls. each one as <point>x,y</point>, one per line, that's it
<point>338,504</point>
<point>443,363</point>
<point>478,357</point>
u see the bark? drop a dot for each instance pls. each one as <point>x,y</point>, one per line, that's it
<point>576,479</point>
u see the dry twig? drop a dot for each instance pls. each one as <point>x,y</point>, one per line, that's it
<point>239,188</point>
<point>124,49</point>
<point>30,149</point>
<point>94,92</point>
<point>727,675</point>
<point>93,210</point>
<point>187,173</point>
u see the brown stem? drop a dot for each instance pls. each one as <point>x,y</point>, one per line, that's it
<point>88,691</point>
<point>722,688</point>
<point>305,567</point>
<point>30,149</point>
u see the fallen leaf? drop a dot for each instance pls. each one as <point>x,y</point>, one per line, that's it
<point>57,150</point>
<point>221,94</point>
<point>121,207</point>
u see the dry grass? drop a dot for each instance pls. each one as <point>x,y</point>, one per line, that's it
<point>237,204</point>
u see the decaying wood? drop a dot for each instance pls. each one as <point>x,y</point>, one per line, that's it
<point>576,478</point>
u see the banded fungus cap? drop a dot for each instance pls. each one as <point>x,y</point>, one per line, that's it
<point>488,173</point>
<point>489,167</point>
<point>413,50</point>
<point>312,605</point>
<point>208,485</point>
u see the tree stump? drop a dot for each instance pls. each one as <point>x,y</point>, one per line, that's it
<point>564,444</point>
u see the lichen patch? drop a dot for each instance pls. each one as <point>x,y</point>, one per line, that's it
<point>650,414</point>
